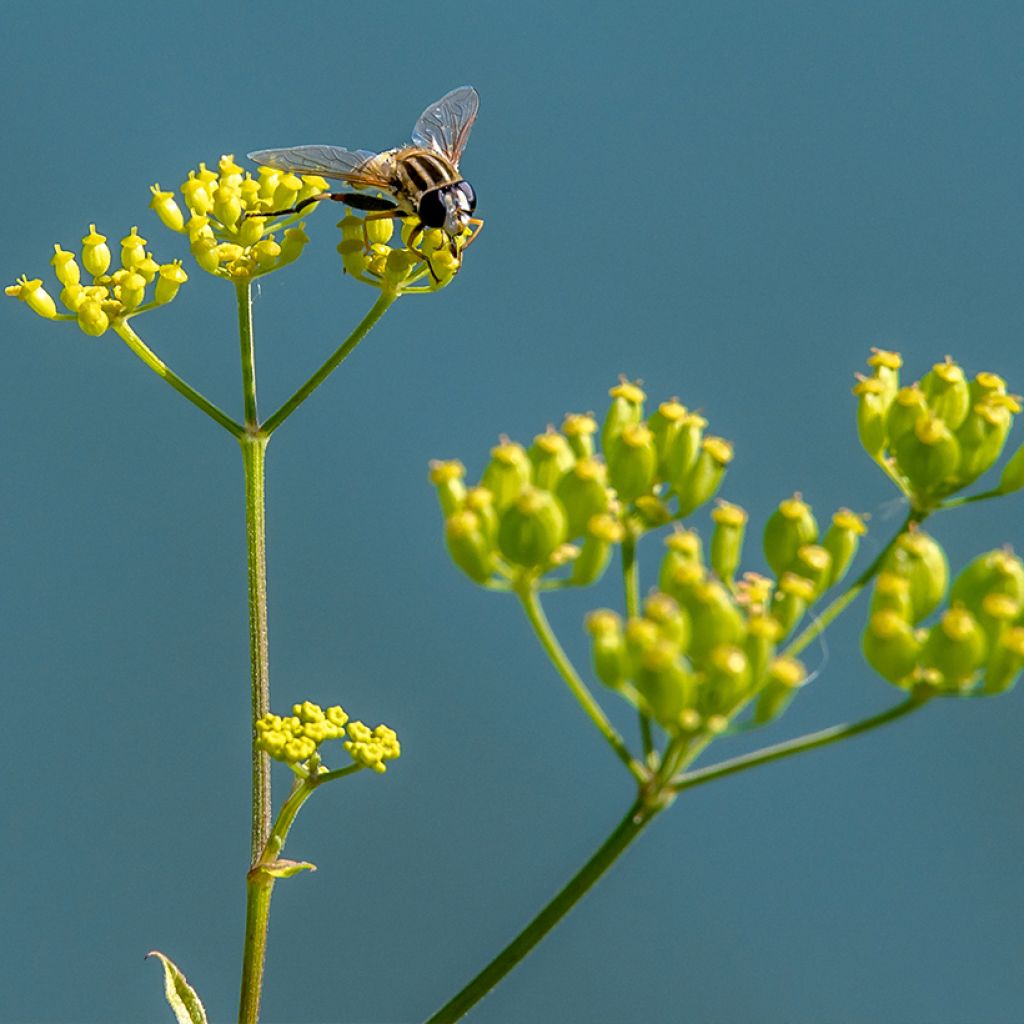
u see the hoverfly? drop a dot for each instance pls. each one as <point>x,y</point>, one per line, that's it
<point>422,178</point>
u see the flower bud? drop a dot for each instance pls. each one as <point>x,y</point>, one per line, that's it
<point>480,501</point>
<point>664,424</point>
<point>947,392</point>
<point>700,484</point>
<point>892,593</point>
<point>468,546</point>
<point>1005,662</point>
<point>133,249</point>
<point>632,462</point>
<point>579,429</point>
<point>873,401</point>
<point>164,206</point>
<point>841,540</point>
<point>672,621</point>
<point>197,195</point>
<point>205,252</point>
<point>918,557</point>
<point>227,205</point>
<point>714,619</point>
<point>34,295</point>
<point>683,581</point>
<point>531,528</point>
<point>668,688</point>
<point>785,677</point>
<point>956,647</point>
<point>507,473</point>
<point>551,458</point>
<point>65,267</point>
<point>789,528</point>
<point>611,662</point>
<point>294,241</point>
<point>603,531</point>
<point>983,434</point>
<point>763,633</point>
<point>583,492</point>
<point>995,572</point>
<point>626,409</point>
<point>682,449</point>
<point>684,548</point>
<point>726,681</point>
<point>793,595</point>
<point>132,291</point>
<point>886,365</point>
<point>909,404</point>
<point>448,478</point>
<point>891,647</point>
<point>727,539</point>
<point>928,455</point>
<point>95,252</point>
<point>91,318</point>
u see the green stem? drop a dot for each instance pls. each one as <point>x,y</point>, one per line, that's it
<point>535,613</point>
<point>161,369</point>
<point>636,820</point>
<point>631,588</point>
<point>243,292</point>
<point>822,621</point>
<point>810,741</point>
<point>380,307</point>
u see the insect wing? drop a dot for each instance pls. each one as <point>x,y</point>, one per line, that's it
<point>445,125</point>
<point>327,161</point>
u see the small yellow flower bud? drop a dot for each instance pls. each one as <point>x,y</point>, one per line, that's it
<point>95,252</point>
<point>133,249</point>
<point>171,278</point>
<point>380,230</point>
<point>73,296</point>
<point>294,241</point>
<point>132,291</point>
<point>627,408</point>
<point>34,295</point>
<point>353,259</point>
<point>230,172</point>
<point>227,205</point>
<point>166,208</point>
<point>449,479</point>
<point>91,318</point>
<point>250,231</point>
<point>205,253</point>
<point>64,266</point>
<point>701,482</point>
<point>265,254</point>
<point>284,192</point>
<point>727,539</point>
<point>196,194</point>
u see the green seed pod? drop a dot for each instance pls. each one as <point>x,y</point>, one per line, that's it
<point>683,581</point>
<point>1005,663</point>
<point>551,458</point>
<point>682,449</point>
<point>873,402</point>
<point>726,680</point>
<point>447,477</point>
<point>627,409</point>
<point>785,677</point>
<point>891,647</point>
<point>994,572</point>
<point>982,436</point>
<point>507,474</point>
<point>714,620</point>
<point>886,365</point>
<point>665,683</point>
<point>579,429</point>
<point>919,557</point>
<point>813,563</point>
<point>727,539</point>
<point>789,528</point>
<point>763,633</point>
<point>611,663</point>
<point>793,595</point>
<point>892,593</point>
<point>841,540</point>
<point>468,546</point>
<point>632,462</point>
<point>956,647</point>
<point>480,501</point>
<point>985,384</point>
<point>908,406</point>
<point>684,548</point>
<point>531,528</point>
<point>704,478</point>
<point>672,621</point>
<point>947,392</point>
<point>665,424</point>
<point>1012,478</point>
<point>928,456</point>
<point>583,492</point>
<point>603,532</point>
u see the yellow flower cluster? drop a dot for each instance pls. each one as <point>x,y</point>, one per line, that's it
<point>372,747</point>
<point>228,231</point>
<point>423,263</point>
<point>96,296</point>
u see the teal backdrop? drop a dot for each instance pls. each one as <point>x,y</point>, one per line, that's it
<point>730,200</point>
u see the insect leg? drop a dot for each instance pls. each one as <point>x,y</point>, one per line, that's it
<point>353,199</point>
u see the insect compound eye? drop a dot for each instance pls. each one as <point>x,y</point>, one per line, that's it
<point>432,209</point>
<point>468,195</point>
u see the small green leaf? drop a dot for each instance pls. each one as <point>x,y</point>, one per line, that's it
<point>287,868</point>
<point>187,1007</point>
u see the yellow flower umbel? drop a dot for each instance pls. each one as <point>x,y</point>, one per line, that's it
<point>98,295</point>
<point>295,739</point>
<point>424,261</point>
<point>228,232</point>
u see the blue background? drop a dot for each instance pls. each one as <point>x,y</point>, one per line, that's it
<point>730,200</point>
